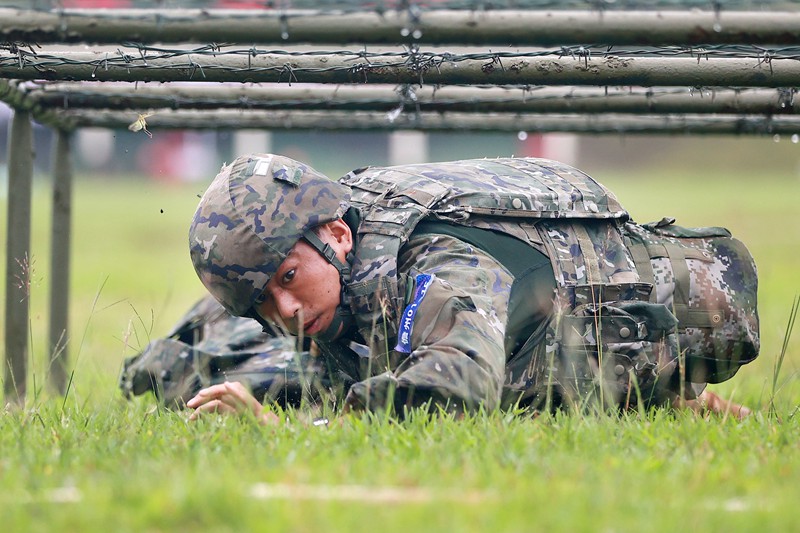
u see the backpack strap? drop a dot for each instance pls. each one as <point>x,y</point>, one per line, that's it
<point>680,272</point>
<point>641,258</point>
<point>590,260</point>
<point>377,289</point>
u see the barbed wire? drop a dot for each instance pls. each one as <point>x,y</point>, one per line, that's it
<point>137,56</point>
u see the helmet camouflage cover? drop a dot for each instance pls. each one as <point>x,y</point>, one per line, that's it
<point>249,219</point>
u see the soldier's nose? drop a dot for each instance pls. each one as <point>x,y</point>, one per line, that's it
<point>287,306</point>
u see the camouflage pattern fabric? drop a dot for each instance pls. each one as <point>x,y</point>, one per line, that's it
<point>709,281</point>
<point>508,195</point>
<point>609,342</point>
<point>209,346</point>
<point>458,333</point>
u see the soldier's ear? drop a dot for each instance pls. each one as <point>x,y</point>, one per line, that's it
<point>341,235</point>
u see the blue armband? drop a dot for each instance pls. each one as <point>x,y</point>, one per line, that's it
<point>423,281</point>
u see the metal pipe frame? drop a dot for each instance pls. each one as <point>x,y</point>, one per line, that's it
<point>18,259</point>
<point>497,122</point>
<point>500,27</point>
<point>61,232</point>
<point>431,69</point>
<point>385,98</point>
<point>14,94</point>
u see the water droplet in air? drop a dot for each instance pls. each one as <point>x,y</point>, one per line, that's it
<point>776,138</point>
<point>522,135</point>
<point>284,35</point>
<point>392,115</point>
<point>93,75</point>
<point>783,104</point>
<point>717,27</point>
<point>417,34</point>
<point>405,32</point>
<point>795,138</point>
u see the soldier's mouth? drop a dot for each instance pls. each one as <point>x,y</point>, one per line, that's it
<point>311,327</point>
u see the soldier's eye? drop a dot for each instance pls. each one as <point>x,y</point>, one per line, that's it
<point>288,276</point>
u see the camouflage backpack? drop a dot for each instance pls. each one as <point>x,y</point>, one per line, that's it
<point>210,346</point>
<point>639,310</point>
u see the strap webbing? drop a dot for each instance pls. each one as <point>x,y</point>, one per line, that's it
<point>680,274</point>
<point>590,259</point>
<point>642,261</point>
<point>328,253</point>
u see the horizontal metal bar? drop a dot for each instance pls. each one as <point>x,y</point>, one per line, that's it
<point>348,120</point>
<point>13,94</point>
<point>421,69</point>
<point>388,97</point>
<point>489,27</point>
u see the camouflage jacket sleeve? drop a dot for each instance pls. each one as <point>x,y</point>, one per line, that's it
<point>457,353</point>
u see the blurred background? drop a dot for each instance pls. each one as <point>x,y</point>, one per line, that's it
<point>190,156</point>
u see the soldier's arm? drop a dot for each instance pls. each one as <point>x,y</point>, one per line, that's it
<point>457,355</point>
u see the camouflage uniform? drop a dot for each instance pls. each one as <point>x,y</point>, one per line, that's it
<point>210,346</point>
<point>430,311</point>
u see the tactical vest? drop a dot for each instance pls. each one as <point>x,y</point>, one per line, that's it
<point>637,308</point>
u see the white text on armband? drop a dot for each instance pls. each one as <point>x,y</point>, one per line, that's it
<point>407,320</point>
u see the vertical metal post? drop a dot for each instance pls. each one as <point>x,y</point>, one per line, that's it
<point>18,260</point>
<point>60,261</point>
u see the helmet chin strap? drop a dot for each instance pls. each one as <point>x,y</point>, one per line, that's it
<point>327,251</point>
<point>343,318</point>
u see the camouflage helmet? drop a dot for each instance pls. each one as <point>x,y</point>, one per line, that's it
<point>250,217</point>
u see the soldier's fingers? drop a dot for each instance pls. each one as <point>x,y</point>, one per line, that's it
<point>238,392</point>
<point>236,388</point>
<point>245,401</point>
<point>212,406</point>
<point>204,395</point>
<point>215,391</point>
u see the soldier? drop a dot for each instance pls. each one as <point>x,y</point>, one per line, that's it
<point>472,284</point>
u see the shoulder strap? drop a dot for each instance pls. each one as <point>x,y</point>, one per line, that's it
<point>376,289</point>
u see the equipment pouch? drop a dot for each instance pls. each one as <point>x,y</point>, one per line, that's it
<point>618,353</point>
<point>708,279</point>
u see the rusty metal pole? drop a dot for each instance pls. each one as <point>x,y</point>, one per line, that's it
<point>429,98</point>
<point>500,27</point>
<point>60,261</point>
<point>612,123</point>
<point>18,260</point>
<point>491,69</point>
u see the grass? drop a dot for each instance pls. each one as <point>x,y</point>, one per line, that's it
<point>84,469</point>
<point>96,461</point>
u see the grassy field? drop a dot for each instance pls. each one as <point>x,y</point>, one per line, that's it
<point>96,461</point>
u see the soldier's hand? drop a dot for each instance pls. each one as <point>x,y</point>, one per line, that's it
<point>229,398</point>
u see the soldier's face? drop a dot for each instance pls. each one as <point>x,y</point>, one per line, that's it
<point>303,295</point>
